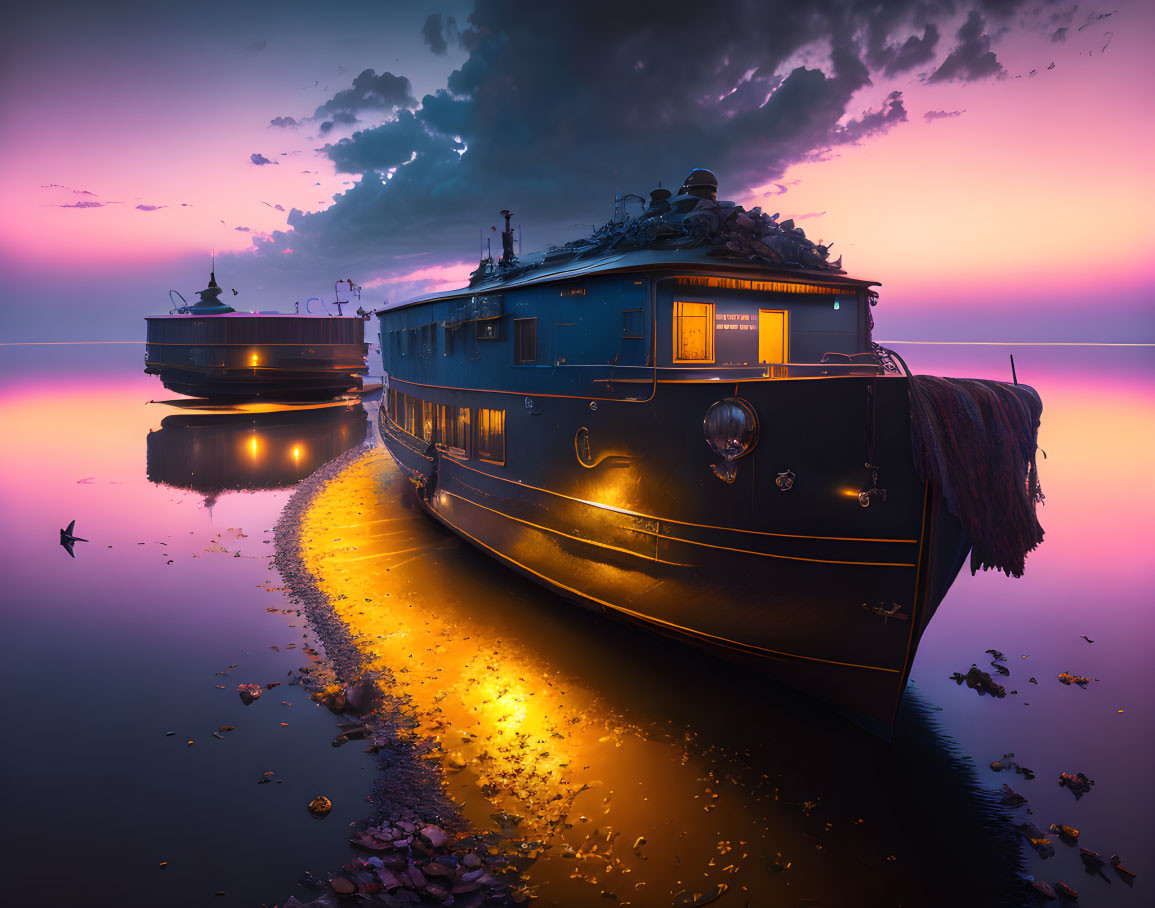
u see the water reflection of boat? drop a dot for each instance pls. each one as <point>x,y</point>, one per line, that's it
<point>553,411</point>
<point>210,453</point>
<point>208,349</point>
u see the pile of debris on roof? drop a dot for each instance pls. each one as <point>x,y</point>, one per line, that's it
<point>692,218</point>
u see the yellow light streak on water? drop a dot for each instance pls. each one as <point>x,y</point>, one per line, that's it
<point>519,739</point>
<point>614,762</point>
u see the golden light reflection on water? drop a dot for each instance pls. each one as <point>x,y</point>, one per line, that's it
<point>519,699</point>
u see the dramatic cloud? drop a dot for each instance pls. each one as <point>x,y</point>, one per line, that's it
<point>371,93</point>
<point>261,160</point>
<point>150,207</point>
<point>1059,35</point>
<point>915,50</point>
<point>972,58</point>
<point>284,122</point>
<point>931,115</point>
<point>548,114</point>
<point>432,32</point>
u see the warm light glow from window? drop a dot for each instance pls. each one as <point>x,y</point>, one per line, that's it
<point>693,332</point>
<point>297,453</point>
<point>255,359</point>
<point>729,283</point>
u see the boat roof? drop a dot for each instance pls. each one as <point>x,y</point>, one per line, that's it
<point>254,315</point>
<point>693,260</point>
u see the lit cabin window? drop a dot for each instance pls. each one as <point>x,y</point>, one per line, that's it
<point>693,332</point>
<point>411,406</point>
<point>524,340</point>
<point>426,420</point>
<point>463,433</point>
<point>453,428</point>
<point>491,435</point>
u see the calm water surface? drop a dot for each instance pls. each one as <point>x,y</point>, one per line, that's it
<point>634,769</point>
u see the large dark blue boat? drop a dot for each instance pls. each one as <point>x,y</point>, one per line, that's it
<point>682,421</point>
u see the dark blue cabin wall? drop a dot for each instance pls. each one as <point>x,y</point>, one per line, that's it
<point>593,323</point>
<point>815,327</point>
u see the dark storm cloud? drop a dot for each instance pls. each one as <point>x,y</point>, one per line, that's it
<point>931,115</point>
<point>972,58</point>
<point>552,108</point>
<point>900,58</point>
<point>872,122</point>
<point>284,122</point>
<point>370,93</point>
<point>1060,34</point>
<point>432,32</point>
<point>260,160</point>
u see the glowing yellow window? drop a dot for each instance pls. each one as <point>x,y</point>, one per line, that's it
<point>491,435</point>
<point>773,336</point>
<point>693,332</point>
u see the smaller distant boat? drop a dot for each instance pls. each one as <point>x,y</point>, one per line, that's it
<point>208,349</point>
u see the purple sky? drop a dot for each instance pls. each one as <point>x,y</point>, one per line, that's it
<point>987,162</point>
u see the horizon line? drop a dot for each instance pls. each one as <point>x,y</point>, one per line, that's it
<point>923,342</point>
<point>1022,343</point>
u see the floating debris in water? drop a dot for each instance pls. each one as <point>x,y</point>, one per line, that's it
<point>1065,832</point>
<point>320,806</point>
<point>1037,839</point>
<point>1077,782</point>
<point>1012,798</point>
<point>977,679</point>
<point>1007,764</point>
<point>1069,893</point>
<point>249,692</point>
<point>1068,679</point>
<point>1093,863</point>
<point>688,899</point>
<point>1127,876</point>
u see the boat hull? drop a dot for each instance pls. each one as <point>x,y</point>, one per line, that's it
<point>804,585</point>
<point>244,358</point>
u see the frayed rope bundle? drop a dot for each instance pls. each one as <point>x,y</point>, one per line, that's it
<point>976,442</point>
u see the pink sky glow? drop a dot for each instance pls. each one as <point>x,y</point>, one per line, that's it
<point>1038,195</point>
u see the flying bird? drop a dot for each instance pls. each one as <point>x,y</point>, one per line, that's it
<point>68,540</point>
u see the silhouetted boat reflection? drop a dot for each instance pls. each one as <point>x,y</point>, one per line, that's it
<point>210,453</point>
